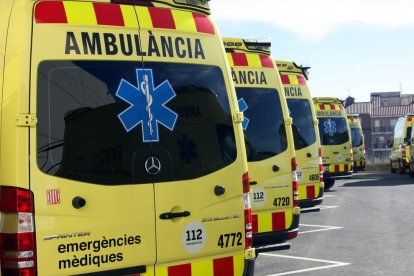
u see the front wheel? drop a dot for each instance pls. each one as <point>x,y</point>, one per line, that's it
<point>410,169</point>
<point>328,184</point>
<point>401,167</point>
<point>392,169</point>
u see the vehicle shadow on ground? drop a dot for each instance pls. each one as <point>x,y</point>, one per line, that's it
<point>379,179</point>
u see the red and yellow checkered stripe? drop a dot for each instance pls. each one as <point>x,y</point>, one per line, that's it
<point>249,60</point>
<point>227,266</point>
<point>308,191</point>
<point>339,168</point>
<point>359,163</point>
<point>90,13</point>
<point>268,222</point>
<point>329,107</point>
<point>289,79</point>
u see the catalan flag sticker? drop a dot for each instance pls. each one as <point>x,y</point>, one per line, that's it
<point>53,196</point>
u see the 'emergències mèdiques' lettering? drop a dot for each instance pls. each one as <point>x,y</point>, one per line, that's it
<point>95,246</point>
<point>130,45</point>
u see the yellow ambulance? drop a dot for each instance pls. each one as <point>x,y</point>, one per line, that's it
<point>269,142</point>
<point>335,139</point>
<point>121,142</point>
<point>305,133</point>
<point>400,146</point>
<point>358,144</point>
<point>411,151</point>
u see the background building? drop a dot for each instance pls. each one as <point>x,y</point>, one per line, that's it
<point>378,119</point>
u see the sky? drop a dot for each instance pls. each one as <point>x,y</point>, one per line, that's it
<point>354,47</point>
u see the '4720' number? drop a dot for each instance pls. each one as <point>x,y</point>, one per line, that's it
<point>281,201</point>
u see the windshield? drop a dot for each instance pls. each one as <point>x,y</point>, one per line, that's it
<point>303,128</point>
<point>265,133</point>
<point>333,131</point>
<point>96,124</point>
<point>356,137</point>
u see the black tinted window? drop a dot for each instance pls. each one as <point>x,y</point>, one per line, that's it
<point>81,136</point>
<point>408,135</point>
<point>303,128</point>
<point>333,131</point>
<point>265,134</point>
<point>356,137</point>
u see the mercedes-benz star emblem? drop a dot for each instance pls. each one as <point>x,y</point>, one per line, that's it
<point>152,165</point>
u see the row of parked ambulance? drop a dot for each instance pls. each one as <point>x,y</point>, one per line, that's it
<point>402,146</point>
<point>137,141</point>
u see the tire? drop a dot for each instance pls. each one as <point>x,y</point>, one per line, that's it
<point>328,184</point>
<point>410,169</point>
<point>392,169</point>
<point>401,167</point>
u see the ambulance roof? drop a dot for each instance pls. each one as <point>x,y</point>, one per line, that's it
<point>260,46</point>
<point>327,100</point>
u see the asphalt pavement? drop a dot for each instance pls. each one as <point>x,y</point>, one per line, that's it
<point>365,227</point>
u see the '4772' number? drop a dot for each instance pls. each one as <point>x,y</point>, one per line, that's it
<point>231,239</point>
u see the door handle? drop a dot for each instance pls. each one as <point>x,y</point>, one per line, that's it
<point>253,182</point>
<point>171,215</point>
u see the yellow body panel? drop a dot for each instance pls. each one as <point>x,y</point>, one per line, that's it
<point>120,225</point>
<point>296,88</point>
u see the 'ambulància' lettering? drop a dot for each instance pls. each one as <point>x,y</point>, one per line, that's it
<point>293,92</point>
<point>130,45</point>
<point>249,77</point>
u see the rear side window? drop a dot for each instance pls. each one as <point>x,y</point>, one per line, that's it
<point>333,131</point>
<point>80,135</point>
<point>303,128</point>
<point>356,137</point>
<point>265,133</point>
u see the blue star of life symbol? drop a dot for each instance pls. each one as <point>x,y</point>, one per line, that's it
<point>147,105</point>
<point>243,107</point>
<point>329,127</point>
